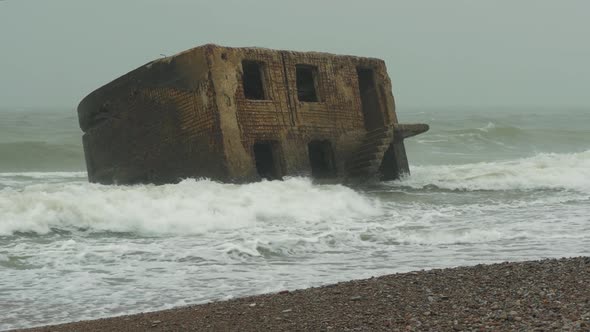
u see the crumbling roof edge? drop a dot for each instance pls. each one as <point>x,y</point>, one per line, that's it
<point>266,49</point>
<point>129,76</point>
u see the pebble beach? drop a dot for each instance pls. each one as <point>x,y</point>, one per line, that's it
<point>545,295</point>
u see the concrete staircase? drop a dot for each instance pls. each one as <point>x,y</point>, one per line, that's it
<point>367,159</point>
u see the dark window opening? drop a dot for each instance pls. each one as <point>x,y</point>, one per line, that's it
<point>369,99</point>
<point>307,82</point>
<point>253,80</point>
<point>321,159</point>
<point>267,163</point>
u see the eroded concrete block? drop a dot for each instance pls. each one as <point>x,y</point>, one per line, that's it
<point>239,114</point>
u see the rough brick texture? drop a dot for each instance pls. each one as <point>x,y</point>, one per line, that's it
<point>188,116</point>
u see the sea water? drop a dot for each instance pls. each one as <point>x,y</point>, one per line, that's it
<point>487,185</point>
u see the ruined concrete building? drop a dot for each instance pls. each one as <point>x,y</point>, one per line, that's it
<point>241,114</point>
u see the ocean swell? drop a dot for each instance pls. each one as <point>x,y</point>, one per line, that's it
<point>40,156</point>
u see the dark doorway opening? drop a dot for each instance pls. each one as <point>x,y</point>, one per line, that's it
<point>369,99</point>
<point>321,159</point>
<point>253,80</point>
<point>307,83</point>
<point>267,164</point>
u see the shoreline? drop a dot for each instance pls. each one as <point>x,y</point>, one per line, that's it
<point>550,294</point>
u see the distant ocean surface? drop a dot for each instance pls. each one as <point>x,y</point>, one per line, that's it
<point>487,185</point>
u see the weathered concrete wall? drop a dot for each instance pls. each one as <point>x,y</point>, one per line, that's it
<point>157,124</point>
<point>188,116</point>
<point>336,117</point>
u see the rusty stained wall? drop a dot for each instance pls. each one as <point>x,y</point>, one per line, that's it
<point>336,117</point>
<point>160,124</point>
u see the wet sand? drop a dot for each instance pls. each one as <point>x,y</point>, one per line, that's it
<point>542,295</point>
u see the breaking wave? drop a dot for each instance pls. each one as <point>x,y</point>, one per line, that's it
<point>64,201</point>
<point>190,207</point>
<point>471,140</point>
<point>543,171</point>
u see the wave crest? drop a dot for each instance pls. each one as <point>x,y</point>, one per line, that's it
<point>190,207</point>
<point>543,171</point>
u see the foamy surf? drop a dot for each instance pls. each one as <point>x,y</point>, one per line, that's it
<point>189,207</point>
<point>544,171</point>
<point>512,186</point>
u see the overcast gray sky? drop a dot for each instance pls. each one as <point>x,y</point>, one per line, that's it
<point>439,53</point>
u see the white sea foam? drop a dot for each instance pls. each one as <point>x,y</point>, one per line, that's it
<point>192,206</point>
<point>200,240</point>
<point>196,206</point>
<point>543,171</point>
<point>223,240</point>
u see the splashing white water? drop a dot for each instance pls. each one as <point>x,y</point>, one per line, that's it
<point>190,207</point>
<point>125,248</point>
<point>543,171</point>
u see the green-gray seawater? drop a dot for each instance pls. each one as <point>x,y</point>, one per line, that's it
<point>487,185</point>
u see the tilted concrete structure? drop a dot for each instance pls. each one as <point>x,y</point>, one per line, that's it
<point>239,114</point>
